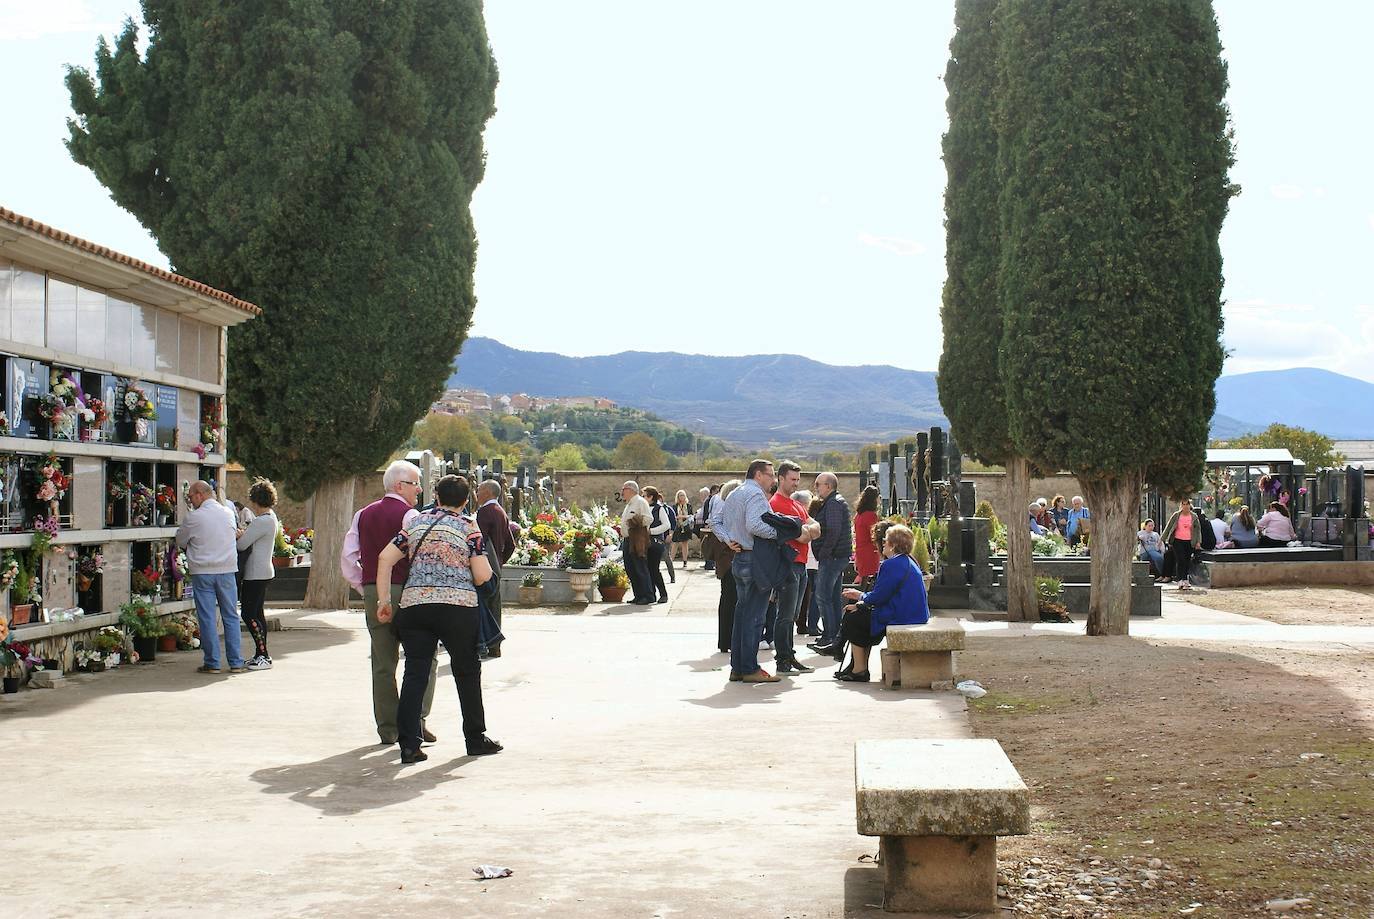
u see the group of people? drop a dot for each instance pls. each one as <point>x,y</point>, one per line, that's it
<point>1072,521</point>
<point>1170,553</point>
<point>775,548</point>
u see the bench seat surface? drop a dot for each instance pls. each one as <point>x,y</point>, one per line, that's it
<point>939,634</point>
<point>948,787</point>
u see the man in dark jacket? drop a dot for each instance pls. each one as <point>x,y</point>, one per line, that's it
<point>833,549</point>
<point>495,527</point>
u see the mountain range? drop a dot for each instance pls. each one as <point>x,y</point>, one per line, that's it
<point>784,399</point>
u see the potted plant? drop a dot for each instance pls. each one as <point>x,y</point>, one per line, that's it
<point>612,582</point>
<point>10,658</point>
<point>109,645</point>
<point>283,553</point>
<point>22,587</point>
<point>139,617</point>
<point>531,589</point>
<point>579,557</point>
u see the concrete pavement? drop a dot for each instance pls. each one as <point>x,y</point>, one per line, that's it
<point>636,782</point>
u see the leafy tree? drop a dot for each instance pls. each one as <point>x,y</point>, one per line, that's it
<point>639,451</point>
<point>565,458</point>
<point>458,433</point>
<point>970,380</point>
<point>1113,157</point>
<point>317,158</point>
<point>598,457</point>
<point>1316,450</point>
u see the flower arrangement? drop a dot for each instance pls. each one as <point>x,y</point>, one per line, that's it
<point>211,427</point>
<point>544,534</point>
<point>138,408</point>
<point>580,548</point>
<point>99,413</point>
<point>4,425</point>
<point>612,574</point>
<point>118,486</point>
<point>281,547</point>
<point>141,504</point>
<point>303,540</point>
<point>529,552</point>
<point>88,566</point>
<point>1237,501</point>
<point>16,656</point>
<point>186,630</point>
<point>52,482</point>
<point>139,617</point>
<point>9,569</point>
<point>532,579</point>
<point>61,405</point>
<point>146,580</point>
<point>108,640</point>
<point>166,498</point>
<point>44,532</point>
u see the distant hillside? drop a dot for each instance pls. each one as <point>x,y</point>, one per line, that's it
<point>1338,406</point>
<point>781,398</point>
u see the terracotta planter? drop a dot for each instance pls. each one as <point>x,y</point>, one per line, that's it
<point>280,562</point>
<point>612,594</point>
<point>21,613</point>
<point>531,596</point>
<point>167,643</point>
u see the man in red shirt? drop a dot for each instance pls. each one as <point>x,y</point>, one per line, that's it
<point>784,611</point>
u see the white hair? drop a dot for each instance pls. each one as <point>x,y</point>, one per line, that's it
<point>400,471</point>
<point>489,487</point>
<point>1078,498</point>
<point>728,487</point>
<point>802,497</point>
<point>1041,501</point>
<point>632,485</point>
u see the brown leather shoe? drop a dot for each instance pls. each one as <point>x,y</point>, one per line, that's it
<point>760,676</point>
<point>427,737</point>
<point>735,677</point>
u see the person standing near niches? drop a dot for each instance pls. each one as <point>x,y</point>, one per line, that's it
<point>207,535</point>
<point>372,531</point>
<point>866,558</point>
<point>255,543</point>
<point>833,549</point>
<point>439,604</point>
<point>660,528</point>
<point>1183,535</point>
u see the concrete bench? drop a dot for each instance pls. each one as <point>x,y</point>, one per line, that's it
<point>922,656</point>
<point>938,807</point>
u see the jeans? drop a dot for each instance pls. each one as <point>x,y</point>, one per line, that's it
<point>1156,559</point>
<point>828,598</point>
<point>422,628</point>
<point>789,595</point>
<point>209,589</point>
<point>750,602</point>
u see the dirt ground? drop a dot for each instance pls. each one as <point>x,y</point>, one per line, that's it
<point>1175,778</point>
<point>1293,605</point>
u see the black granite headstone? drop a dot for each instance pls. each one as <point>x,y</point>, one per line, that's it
<point>166,417</point>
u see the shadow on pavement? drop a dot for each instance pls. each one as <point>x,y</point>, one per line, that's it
<point>733,695</point>
<point>367,778</point>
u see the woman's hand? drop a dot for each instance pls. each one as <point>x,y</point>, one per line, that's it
<point>849,593</point>
<point>384,611</point>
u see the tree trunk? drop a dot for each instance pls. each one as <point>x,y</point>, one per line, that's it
<point>1022,605</point>
<point>1115,507</point>
<point>333,512</point>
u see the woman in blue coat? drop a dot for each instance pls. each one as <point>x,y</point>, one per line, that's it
<point>898,597</point>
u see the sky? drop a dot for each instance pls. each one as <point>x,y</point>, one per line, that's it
<point>762,177</point>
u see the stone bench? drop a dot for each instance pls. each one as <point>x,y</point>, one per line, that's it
<point>938,807</point>
<point>922,656</point>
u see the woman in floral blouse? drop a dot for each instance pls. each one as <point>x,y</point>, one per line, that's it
<point>439,603</point>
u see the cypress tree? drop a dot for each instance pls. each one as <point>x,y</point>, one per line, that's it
<point>1114,159</point>
<point>971,384</point>
<point>317,157</point>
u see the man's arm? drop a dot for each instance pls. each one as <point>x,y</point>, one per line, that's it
<point>186,530</point>
<point>753,517</point>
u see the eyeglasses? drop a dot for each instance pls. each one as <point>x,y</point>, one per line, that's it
<point>404,482</point>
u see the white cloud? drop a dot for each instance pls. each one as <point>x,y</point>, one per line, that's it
<point>1271,340</point>
<point>28,20</point>
<point>893,244</point>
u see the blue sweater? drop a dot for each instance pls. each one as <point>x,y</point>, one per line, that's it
<point>898,596</point>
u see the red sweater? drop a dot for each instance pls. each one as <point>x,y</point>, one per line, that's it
<point>378,524</point>
<point>866,557</point>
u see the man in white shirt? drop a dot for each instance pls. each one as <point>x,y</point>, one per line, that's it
<point>635,515</point>
<point>209,537</point>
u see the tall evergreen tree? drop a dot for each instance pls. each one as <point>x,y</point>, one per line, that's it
<point>317,157</point>
<point>1114,160</point>
<point>971,383</point>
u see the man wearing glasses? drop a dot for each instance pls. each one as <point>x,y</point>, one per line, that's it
<point>372,531</point>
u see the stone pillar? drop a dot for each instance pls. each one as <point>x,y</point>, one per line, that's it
<point>980,564</point>
<point>940,873</point>
<point>118,568</point>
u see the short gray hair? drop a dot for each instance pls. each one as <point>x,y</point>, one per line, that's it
<point>199,486</point>
<point>802,497</point>
<point>632,485</point>
<point>729,487</point>
<point>400,471</point>
<point>489,487</point>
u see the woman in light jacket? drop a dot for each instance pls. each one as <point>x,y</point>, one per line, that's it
<point>1183,536</point>
<point>256,541</point>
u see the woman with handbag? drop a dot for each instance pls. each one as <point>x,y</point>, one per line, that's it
<point>684,528</point>
<point>439,604</point>
<point>898,597</point>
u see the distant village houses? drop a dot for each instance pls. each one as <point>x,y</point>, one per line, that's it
<point>476,402</point>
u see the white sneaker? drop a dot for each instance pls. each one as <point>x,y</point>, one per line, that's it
<point>765,646</point>
<point>260,663</point>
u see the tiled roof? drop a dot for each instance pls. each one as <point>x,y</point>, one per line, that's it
<point>28,223</point>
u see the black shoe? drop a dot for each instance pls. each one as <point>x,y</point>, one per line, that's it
<point>820,648</point>
<point>798,666</point>
<point>641,602</point>
<point>483,746</point>
<point>662,599</point>
<point>860,677</point>
<point>427,737</point>
<point>413,756</point>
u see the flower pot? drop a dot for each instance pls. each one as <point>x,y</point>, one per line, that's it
<point>580,580</point>
<point>612,594</point>
<point>97,667</point>
<point>146,648</point>
<point>167,643</point>
<point>531,596</point>
<point>279,561</point>
<point>930,579</point>
<point>21,613</point>
<point>11,684</point>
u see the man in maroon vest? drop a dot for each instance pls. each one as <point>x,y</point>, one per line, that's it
<point>372,531</point>
<point>500,546</point>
